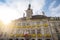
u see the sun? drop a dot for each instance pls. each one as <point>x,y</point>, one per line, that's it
<point>8,14</point>
<point>6,21</point>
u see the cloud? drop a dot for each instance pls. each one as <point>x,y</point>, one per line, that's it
<point>38,5</point>
<point>12,9</point>
<point>55,11</point>
<point>7,14</point>
<point>22,5</point>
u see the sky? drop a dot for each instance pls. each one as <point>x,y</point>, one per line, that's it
<point>14,9</point>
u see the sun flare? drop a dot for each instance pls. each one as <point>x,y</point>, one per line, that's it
<point>6,21</point>
<point>7,14</point>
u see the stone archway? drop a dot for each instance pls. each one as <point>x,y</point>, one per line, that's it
<point>27,37</point>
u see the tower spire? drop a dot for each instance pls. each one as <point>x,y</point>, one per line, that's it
<point>29,12</point>
<point>29,7</point>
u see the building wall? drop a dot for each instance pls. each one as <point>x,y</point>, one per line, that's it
<point>42,29</point>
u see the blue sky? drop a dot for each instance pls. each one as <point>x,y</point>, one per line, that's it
<point>45,4</point>
<point>50,12</point>
<point>15,8</point>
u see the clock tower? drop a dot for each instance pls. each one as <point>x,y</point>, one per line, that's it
<point>29,12</point>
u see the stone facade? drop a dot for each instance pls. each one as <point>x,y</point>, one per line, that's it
<point>37,27</point>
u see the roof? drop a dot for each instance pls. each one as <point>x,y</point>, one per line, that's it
<point>39,17</point>
<point>34,17</point>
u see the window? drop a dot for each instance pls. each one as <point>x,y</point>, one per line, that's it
<point>18,24</point>
<point>21,39</point>
<point>46,30</point>
<point>38,22</point>
<point>32,23</point>
<point>23,24</point>
<point>33,39</point>
<point>38,31</point>
<point>27,39</point>
<point>33,31</point>
<point>16,39</point>
<point>28,24</point>
<point>10,39</point>
<point>1,39</point>
<point>28,31</point>
<point>47,39</point>
<point>39,39</point>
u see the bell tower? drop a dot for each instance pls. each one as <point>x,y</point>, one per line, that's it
<point>29,12</point>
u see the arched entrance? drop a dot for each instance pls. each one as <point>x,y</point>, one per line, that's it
<point>27,37</point>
